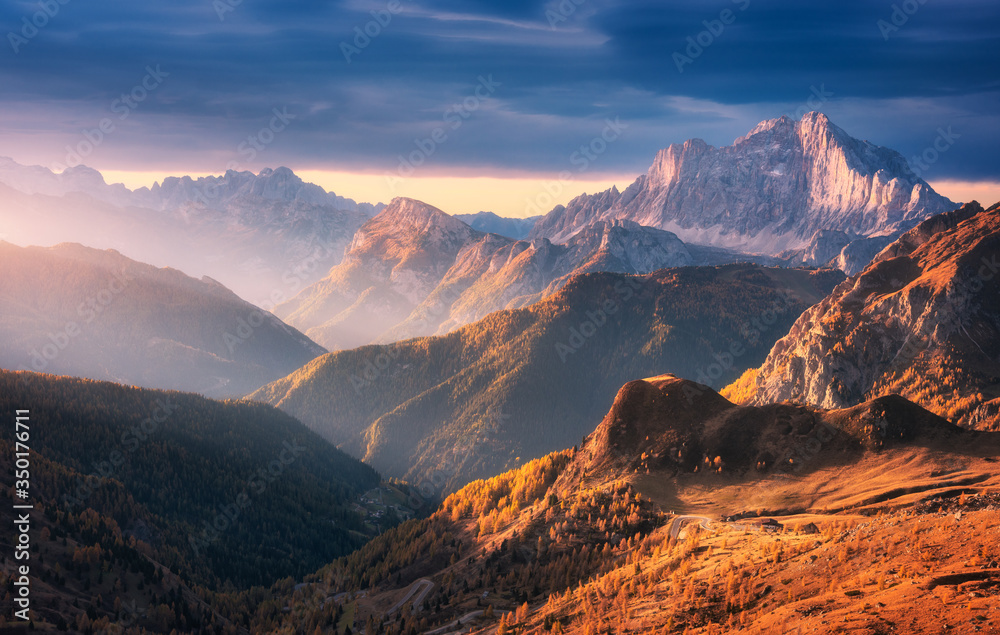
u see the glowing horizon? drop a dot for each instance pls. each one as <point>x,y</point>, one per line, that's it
<point>513,195</point>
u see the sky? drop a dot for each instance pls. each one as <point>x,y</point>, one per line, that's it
<point>473,105</point>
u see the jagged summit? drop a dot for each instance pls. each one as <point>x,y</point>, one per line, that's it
<point>414,270</point>
<point>419,216</point>
<point>240,188</point>
<point>769,192</point>
<point>279,184</point>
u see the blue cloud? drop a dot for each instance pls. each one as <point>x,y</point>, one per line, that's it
<point>560,79</point>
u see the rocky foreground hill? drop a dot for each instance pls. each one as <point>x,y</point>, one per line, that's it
<point>683,512</point>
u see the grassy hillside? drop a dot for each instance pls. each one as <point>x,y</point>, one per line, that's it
<point>764,519</point>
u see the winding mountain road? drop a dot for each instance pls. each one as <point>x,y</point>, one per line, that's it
<point>678,524</point>
<point>450,626</point>
<point>417,593</point>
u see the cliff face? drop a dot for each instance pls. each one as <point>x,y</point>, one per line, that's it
<point>769,192</point>
<point>923,320</point>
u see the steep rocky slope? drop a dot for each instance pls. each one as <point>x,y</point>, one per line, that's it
<point>923,320</point>
<point>414,270</point>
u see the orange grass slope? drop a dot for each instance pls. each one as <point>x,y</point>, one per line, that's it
<point>685,513</point>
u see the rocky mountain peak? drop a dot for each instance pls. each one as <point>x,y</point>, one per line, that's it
<point>407,217</point>
<point>770,192</point>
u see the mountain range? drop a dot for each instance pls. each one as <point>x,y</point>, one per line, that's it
<point>789,193</point>
<point>413,270</point>
<point>663,520</point>
<point>73,310</point>
<point>522,382</point>
<point>551,383</point>
<point>490,223</point>
<point>266,236</point>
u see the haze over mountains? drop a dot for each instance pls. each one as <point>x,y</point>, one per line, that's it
<point>520,383</point>
<point>265,236</point>
<point>787,193</point>
<point>462,350</point>
<point>73,310</point>
<point>414,270</point>
<point>793,193</point>
<point>516,228</point>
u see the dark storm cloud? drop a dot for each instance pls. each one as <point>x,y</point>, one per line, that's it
<point>563,68</point>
